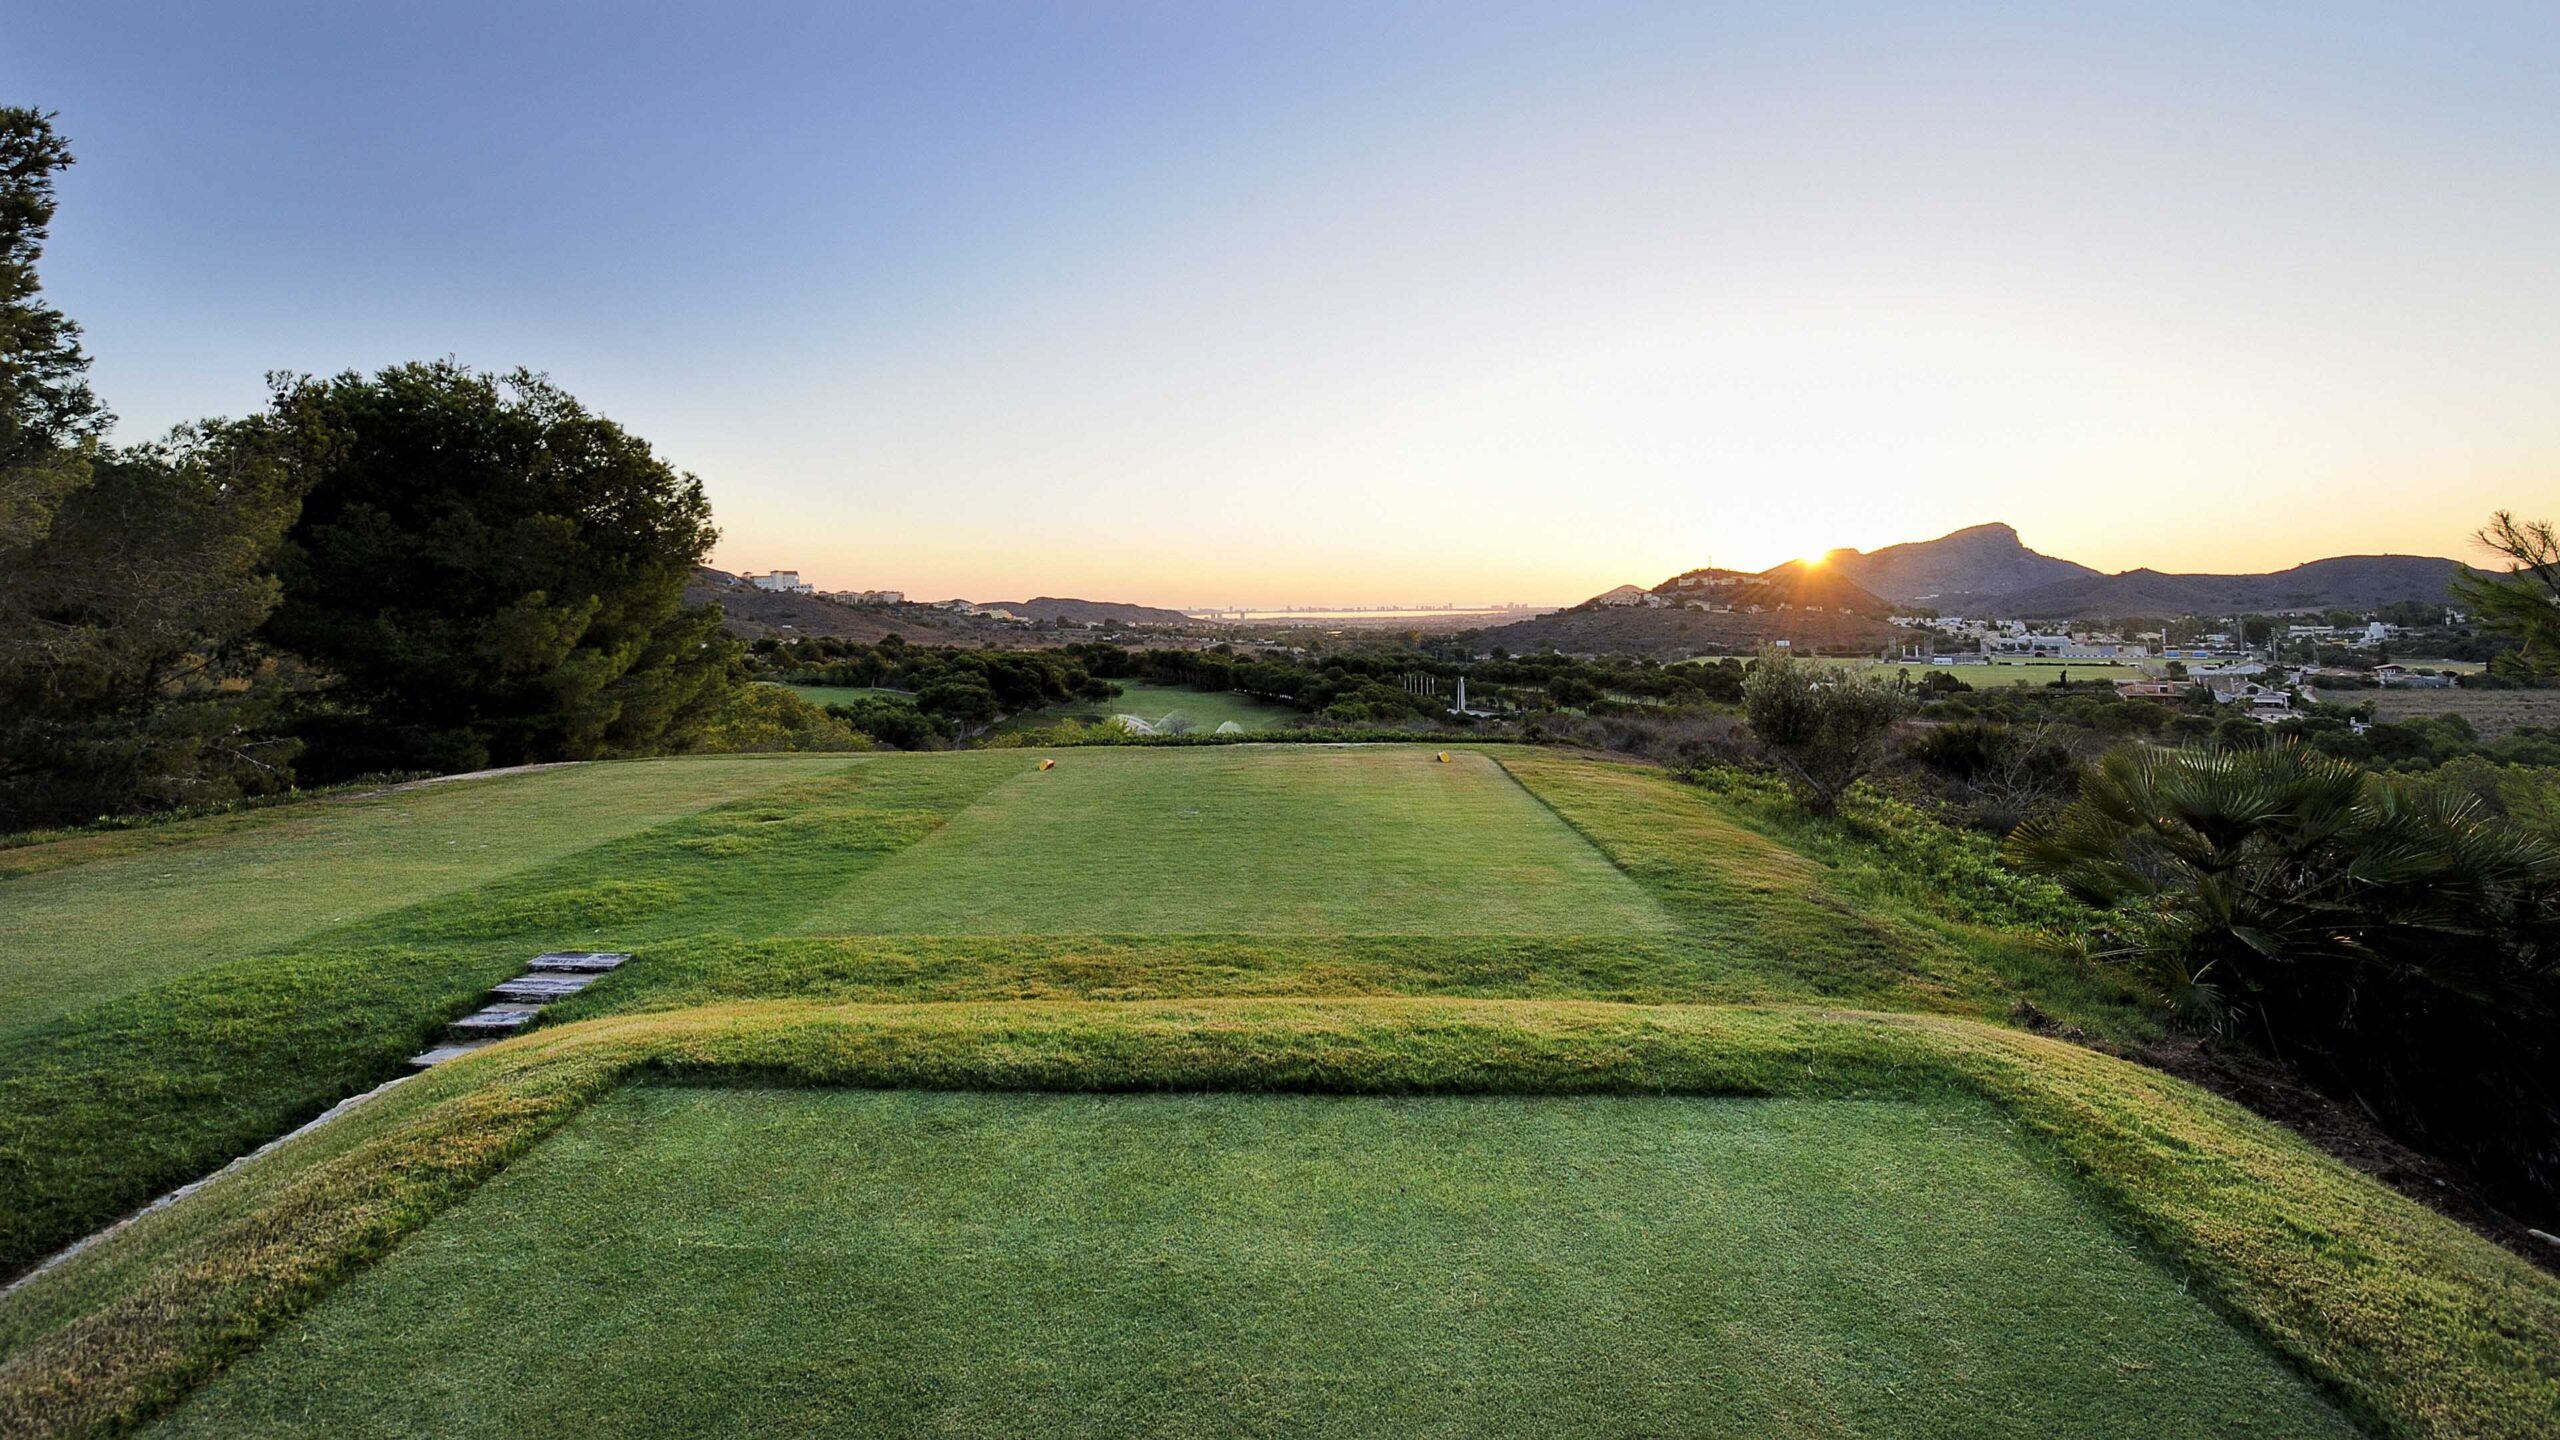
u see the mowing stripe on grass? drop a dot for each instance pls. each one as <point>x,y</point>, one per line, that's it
<point>714,1263</point>
<point>74,934</point>
<point>1277,840</point>
<point>2425,1325</point>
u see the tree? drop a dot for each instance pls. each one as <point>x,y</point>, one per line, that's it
<point>493,574</point>
<point>128,676</point>
<point>2524,602</point>
<point>1824,731</point>
<point>129,581</point>
<point>49,419</point>
<point>961,698</point>
<point>45,401</point>
<point>2389,938</point>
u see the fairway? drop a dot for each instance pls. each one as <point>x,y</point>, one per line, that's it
<point>848,694</point>
<point>100,915</point>
<point>1250,839</point>
<point>708,1262</point>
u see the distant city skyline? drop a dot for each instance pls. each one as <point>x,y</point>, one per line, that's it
<point>1340,303</point>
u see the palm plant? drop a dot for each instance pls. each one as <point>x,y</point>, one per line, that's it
<point>2392,940</point>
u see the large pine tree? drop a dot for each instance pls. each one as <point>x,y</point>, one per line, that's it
<point>493,574</point>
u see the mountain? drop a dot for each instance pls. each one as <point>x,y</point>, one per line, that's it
<point>1812,607</point>
<point>2343,582</point>
<point>1795,585</point>
<point>1057,610</point>
<point>1957,570</point>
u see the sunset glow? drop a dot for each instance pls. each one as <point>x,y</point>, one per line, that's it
<point>1343,303</point>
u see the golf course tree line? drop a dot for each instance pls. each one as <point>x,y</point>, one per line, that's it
<point>427,569</point>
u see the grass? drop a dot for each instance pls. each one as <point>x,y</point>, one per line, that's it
<point>1343,921</point>
<point>1156,704</point>
<point>2421,1327</point>
<point>1051,1265</point>
<point>847,694</point>
<point>120,1100</point>
<point>94,916</point>
<point>110,1104</point>
<point>2491,712</point>
<point>1280,840</point>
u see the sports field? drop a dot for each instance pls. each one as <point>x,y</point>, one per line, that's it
<point>909,1263</point>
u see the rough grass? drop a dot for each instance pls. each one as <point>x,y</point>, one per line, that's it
<point>90,917</point>
<point>1261,840</point>
<point>1054,1265</point>
<point>2415,1322</point>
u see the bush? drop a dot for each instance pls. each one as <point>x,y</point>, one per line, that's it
<point>768,717</point>
<point>1823,730</point>
<point>2390,939</point>
<point>891,722</point>
<point>1996,775</point>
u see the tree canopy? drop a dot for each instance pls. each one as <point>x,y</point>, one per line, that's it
<point>493,574</point>
<point>2524,602</point>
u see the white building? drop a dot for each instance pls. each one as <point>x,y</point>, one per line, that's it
<point>786,581</point>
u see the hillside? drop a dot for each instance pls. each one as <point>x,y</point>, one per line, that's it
<point>1986,569</point>
<point>1795,585</point>
<point>1810,607</point>
<point>752,614</point>
<point>1061,611</point>
<point>1969,565</point>
<point>2345,582</point>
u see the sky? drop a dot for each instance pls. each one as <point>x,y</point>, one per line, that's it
<point>1312,302</point>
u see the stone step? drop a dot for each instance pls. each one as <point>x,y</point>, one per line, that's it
<point>493,1020</point>
<point>589,962</point>
<point>538,988</point>
<point>449,1050</point>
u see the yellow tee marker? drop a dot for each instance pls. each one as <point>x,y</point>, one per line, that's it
<point>1444,757</point>
<point>1048,764</point>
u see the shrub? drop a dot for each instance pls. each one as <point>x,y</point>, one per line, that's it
<point>2390,939</point>
<point>768,717</point>
<point>1823,730</point>
<point>1996,775</point>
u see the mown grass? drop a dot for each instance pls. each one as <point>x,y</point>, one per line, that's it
<point>847,694</point>
<point>89,917</point>
<point>116,1102</point>
<point>2422,1325</point>
<point>121,1100</point>
<point>2417,1324</point>
<point>1856,915</point>
<point>1261,840</point>
<point>1052,1265</point>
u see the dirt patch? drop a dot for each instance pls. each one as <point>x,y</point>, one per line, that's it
<point>2491,712</point>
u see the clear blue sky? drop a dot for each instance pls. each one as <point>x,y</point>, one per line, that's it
<point>1340,302</point>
